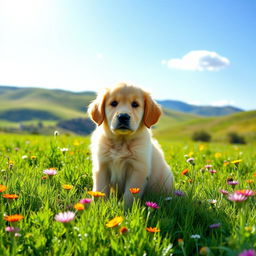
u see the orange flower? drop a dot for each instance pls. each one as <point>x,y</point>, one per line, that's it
<point>115,222</point>
<point>152,230</point>
<point>10,196</point>
<point>44,177</point>
<point>67,187</point>
<point>134,190</point>
<point>249,181</point>
<point>226,163</point>
<point>96,193</point>
<point>184,172</point>
<point>13,218</point>
<point>123,230</point>
<point>79,207</point>
<point>180,242</point>
<point>254,174</point>
<point>2,188</point>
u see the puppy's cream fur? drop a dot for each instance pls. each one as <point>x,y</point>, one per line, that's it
<point>132,159</point>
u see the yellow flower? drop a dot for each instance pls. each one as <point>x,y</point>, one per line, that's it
<point>10,162</point>
<point>217,155</point>
<point>96,193</point>
<point>236,161</point>
<point>76,143</point>
<point>226,163</point>
<point>201,147</point>
<point>67,187</point>
<point>2,188</point>
<point>79,207</point>
<point>190,154</point>
<point>115,222</point>
<point>33,157</point>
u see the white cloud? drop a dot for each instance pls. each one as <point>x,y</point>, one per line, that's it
<point>198,61</point>
<point>221,103</point>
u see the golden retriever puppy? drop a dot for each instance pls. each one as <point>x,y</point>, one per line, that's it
<point>124,154</point>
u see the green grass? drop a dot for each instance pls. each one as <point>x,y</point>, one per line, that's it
<point>180,217</point>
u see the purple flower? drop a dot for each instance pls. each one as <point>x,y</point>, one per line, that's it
<point>212,171</point>
<point>250,252</point>
<point>224,192</point>
<point>245,192</point>
<point>85,201</point>
<point>65,217</point>
<point>179,193</point>
<point>208,166</point>
<point>236,197</point>
<point>215,225</point>
<point>152,205</point>
<point>50,172</point>
<point>232,182</point>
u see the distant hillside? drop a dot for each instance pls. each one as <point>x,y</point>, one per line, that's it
<point>198,110</point>
<point>243,123</point>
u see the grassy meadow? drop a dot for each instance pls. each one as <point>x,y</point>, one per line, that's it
<point>184,220</point>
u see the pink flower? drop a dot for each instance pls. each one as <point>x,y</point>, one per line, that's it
<point>50,172</point>
<point>208,166</point>
<point>232,182</point>
<point>12,229</point>
<point>250,252</point>
<point>224,192</point>
<point>191,160</point>
<point>236,197</point>
<point>152,205</point>
<point>85,201</point>
<point>212,171</point>
<point>245,192</point>
<point>65,217</point>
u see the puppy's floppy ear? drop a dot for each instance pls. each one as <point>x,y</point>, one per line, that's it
<point>96,109</point>
<point>152,111</point>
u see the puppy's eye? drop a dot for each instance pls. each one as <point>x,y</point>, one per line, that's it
<point>114,103</point>
<point>135,104</point>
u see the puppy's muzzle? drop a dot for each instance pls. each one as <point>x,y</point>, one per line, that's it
<point>123,121</point>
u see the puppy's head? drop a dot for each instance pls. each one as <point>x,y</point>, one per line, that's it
<point>124,109</point>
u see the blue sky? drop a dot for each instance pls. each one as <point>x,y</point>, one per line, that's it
<point>201,52</point>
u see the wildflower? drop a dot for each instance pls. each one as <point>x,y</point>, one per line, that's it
<point>13,218</point>
<point>184,172</point>
<point>96,193</point>
<point>250,252</point>
<point>24,157</point>
<point>17,234</point>
<point>179,193</point>
<point>76,143</point>
<point>232,182</point>
<point>196,236</point>
<point>208,166</point>
<point>180,242</point>
<point>217,155</point>
<point>191,161</point>
<point>134,190</point>
<point>65,217</point>
<point>33,157</point>
<point>85,201</point>
<point>2,188</point>
<point>249,229</point>
<point>67,187</point>
<point>115,222</point>
<point>224,192</point>
<point>212,171</point>
<point>201,147</point>
<point>79,207</point>
<point>12,229</point>
<point>205,251</point>
<point>56,133</point>
<point>44,177</point>
<point>152,230</point>
<point>123,230</point>
<point>226,163</point>
<point>236,197</point>
<point>190,181</point>
<point>212,201</point>
<point>152,205</point>
<point>236,162</point>
<point>64,150</point>
<point>10,196</point>
<point>50,172</point>
<point>245,192</point>
<point>215,225</point>
<point>249,181</point>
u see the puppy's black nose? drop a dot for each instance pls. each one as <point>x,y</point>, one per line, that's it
<point>123,118</point>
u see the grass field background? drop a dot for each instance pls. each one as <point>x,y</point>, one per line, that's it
<point>23,158</point>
